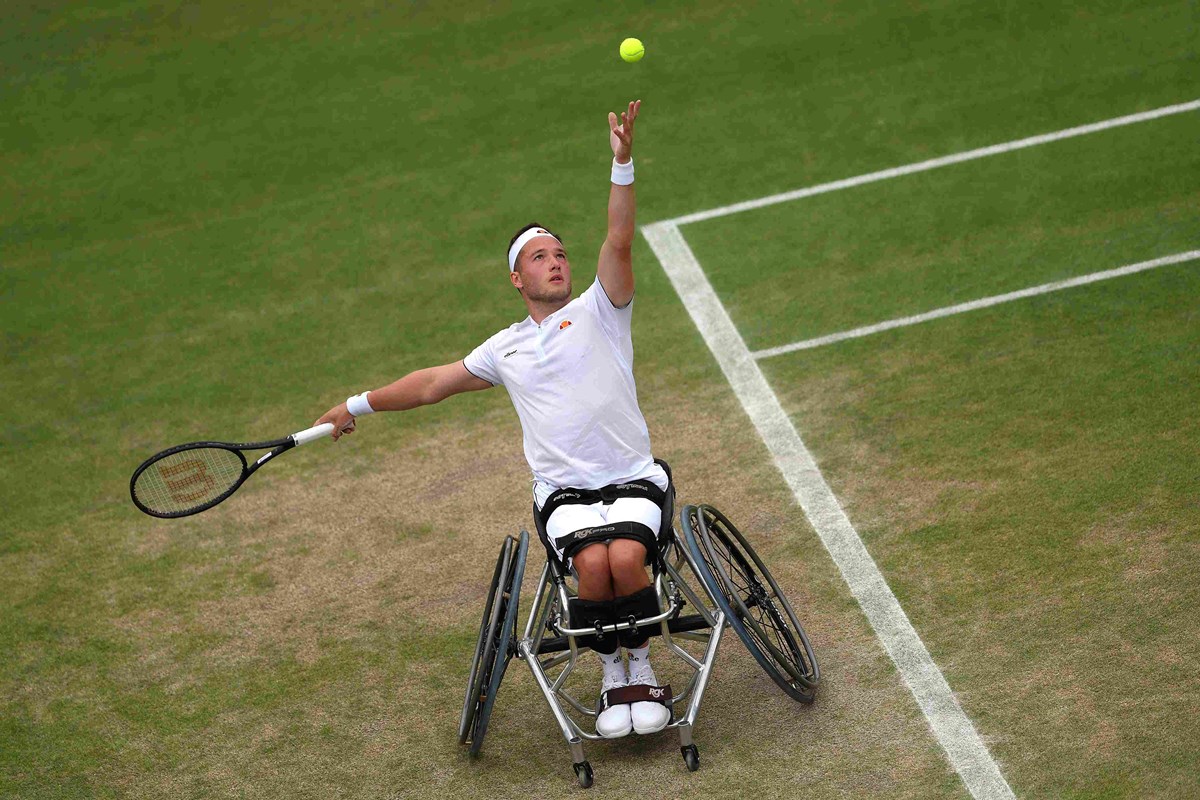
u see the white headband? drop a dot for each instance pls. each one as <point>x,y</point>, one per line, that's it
<point>523,240</point>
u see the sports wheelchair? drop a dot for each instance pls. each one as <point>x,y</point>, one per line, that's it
<point>729,586</point>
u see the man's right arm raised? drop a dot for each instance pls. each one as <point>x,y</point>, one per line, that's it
<point>421,388</point>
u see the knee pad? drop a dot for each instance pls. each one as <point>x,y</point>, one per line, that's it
<point>639,605</point>
<point>588,614</point>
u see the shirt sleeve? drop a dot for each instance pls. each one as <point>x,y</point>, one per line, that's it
<point>617,322</point>
<point>481,362</point>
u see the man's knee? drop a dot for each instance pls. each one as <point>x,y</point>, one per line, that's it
<point>626,558</point>
<point>592,563</point>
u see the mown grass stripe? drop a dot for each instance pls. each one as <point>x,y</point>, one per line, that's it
<point>973,305</point>
<point>949,723</point>
<point>934,163</point>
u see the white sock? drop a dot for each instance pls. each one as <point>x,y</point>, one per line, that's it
<point>639,658</point>
<point>614,666</point>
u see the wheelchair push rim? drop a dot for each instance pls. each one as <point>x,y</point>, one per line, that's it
<point>496,644</point>
<point>751,598</point>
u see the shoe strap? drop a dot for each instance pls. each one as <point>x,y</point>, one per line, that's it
<point>638,693</point>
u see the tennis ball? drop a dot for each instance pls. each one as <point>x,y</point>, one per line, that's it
<point>632,50</point>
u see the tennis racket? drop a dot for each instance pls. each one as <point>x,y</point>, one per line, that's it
<point>189,478</point>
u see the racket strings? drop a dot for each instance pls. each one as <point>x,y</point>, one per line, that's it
<point>188,479</point>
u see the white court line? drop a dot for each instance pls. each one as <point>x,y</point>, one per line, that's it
<point>954,732</point>
<point>985,302</point>
<point>934,163</point>
<point>950,725</point>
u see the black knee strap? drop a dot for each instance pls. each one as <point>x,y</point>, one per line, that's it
<point>589,614</point>
<point>606,533</point>
<point>642,604</point>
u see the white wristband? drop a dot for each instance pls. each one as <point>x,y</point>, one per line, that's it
<point>358,405</point>
<point>622,174</point>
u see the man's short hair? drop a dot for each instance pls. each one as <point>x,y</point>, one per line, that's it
<point>522,230</point>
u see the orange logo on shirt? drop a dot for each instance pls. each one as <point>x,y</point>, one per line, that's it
<point>566,323</point>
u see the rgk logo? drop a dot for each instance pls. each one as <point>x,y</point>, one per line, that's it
<point>657,693</point>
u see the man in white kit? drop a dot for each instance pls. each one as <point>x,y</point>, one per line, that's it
<point>568,368</point>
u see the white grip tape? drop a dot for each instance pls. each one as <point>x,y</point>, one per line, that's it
<point>312,434</point>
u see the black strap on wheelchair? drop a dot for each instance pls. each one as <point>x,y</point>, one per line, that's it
<point>607,494</point>
<point>642,604</point>
<point>636,694</point>
<point>594,613</point>
<point>604,533</point>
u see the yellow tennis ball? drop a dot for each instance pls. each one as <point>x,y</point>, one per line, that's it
<point>632,50</point>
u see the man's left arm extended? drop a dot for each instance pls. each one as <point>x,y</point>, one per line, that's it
<point>615,269</point>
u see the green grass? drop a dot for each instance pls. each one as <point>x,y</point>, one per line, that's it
<point>876,252</point>
<point>1024,476</point>
<point>218,219</point>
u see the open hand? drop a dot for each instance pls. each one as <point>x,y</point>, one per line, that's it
<point>621,132</point>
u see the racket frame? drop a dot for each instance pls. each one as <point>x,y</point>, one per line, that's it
<point>248,468</point>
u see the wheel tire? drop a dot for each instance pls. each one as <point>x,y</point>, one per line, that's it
<point>583,774</point>
<point>753,602</point>
<point>491,616</point>
<point>691,757</point>
<point>497,637</point>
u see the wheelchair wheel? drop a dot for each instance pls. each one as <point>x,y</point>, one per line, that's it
<point>752,600</point>
<point>496,643</point>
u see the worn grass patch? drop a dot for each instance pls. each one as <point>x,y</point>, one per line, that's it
<point>311,637</point>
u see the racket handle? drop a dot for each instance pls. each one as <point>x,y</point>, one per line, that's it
<point>312,434</point>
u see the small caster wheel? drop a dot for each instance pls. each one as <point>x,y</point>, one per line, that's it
<point>583,774</point>
<point>691,757</point>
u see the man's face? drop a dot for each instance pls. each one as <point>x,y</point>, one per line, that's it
<point>543,273</point>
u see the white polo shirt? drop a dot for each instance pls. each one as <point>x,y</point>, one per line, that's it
<point>571,381</point>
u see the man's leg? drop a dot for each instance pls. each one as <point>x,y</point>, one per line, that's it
<point>635,596</point>
<point>595,604</point>
<point>627,565</point>
<point>595,577</point>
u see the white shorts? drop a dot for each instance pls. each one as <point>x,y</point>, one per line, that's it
<point>570,518</point>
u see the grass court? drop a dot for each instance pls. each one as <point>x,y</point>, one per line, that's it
<point>216,220</point>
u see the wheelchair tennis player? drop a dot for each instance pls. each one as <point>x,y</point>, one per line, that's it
<point>568,368</point>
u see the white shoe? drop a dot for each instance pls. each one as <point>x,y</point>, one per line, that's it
<point>615,721</point>
<point>647,717</point>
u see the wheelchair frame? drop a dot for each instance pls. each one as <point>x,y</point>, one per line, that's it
<point>735,589</point>
<point>551,613</point>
